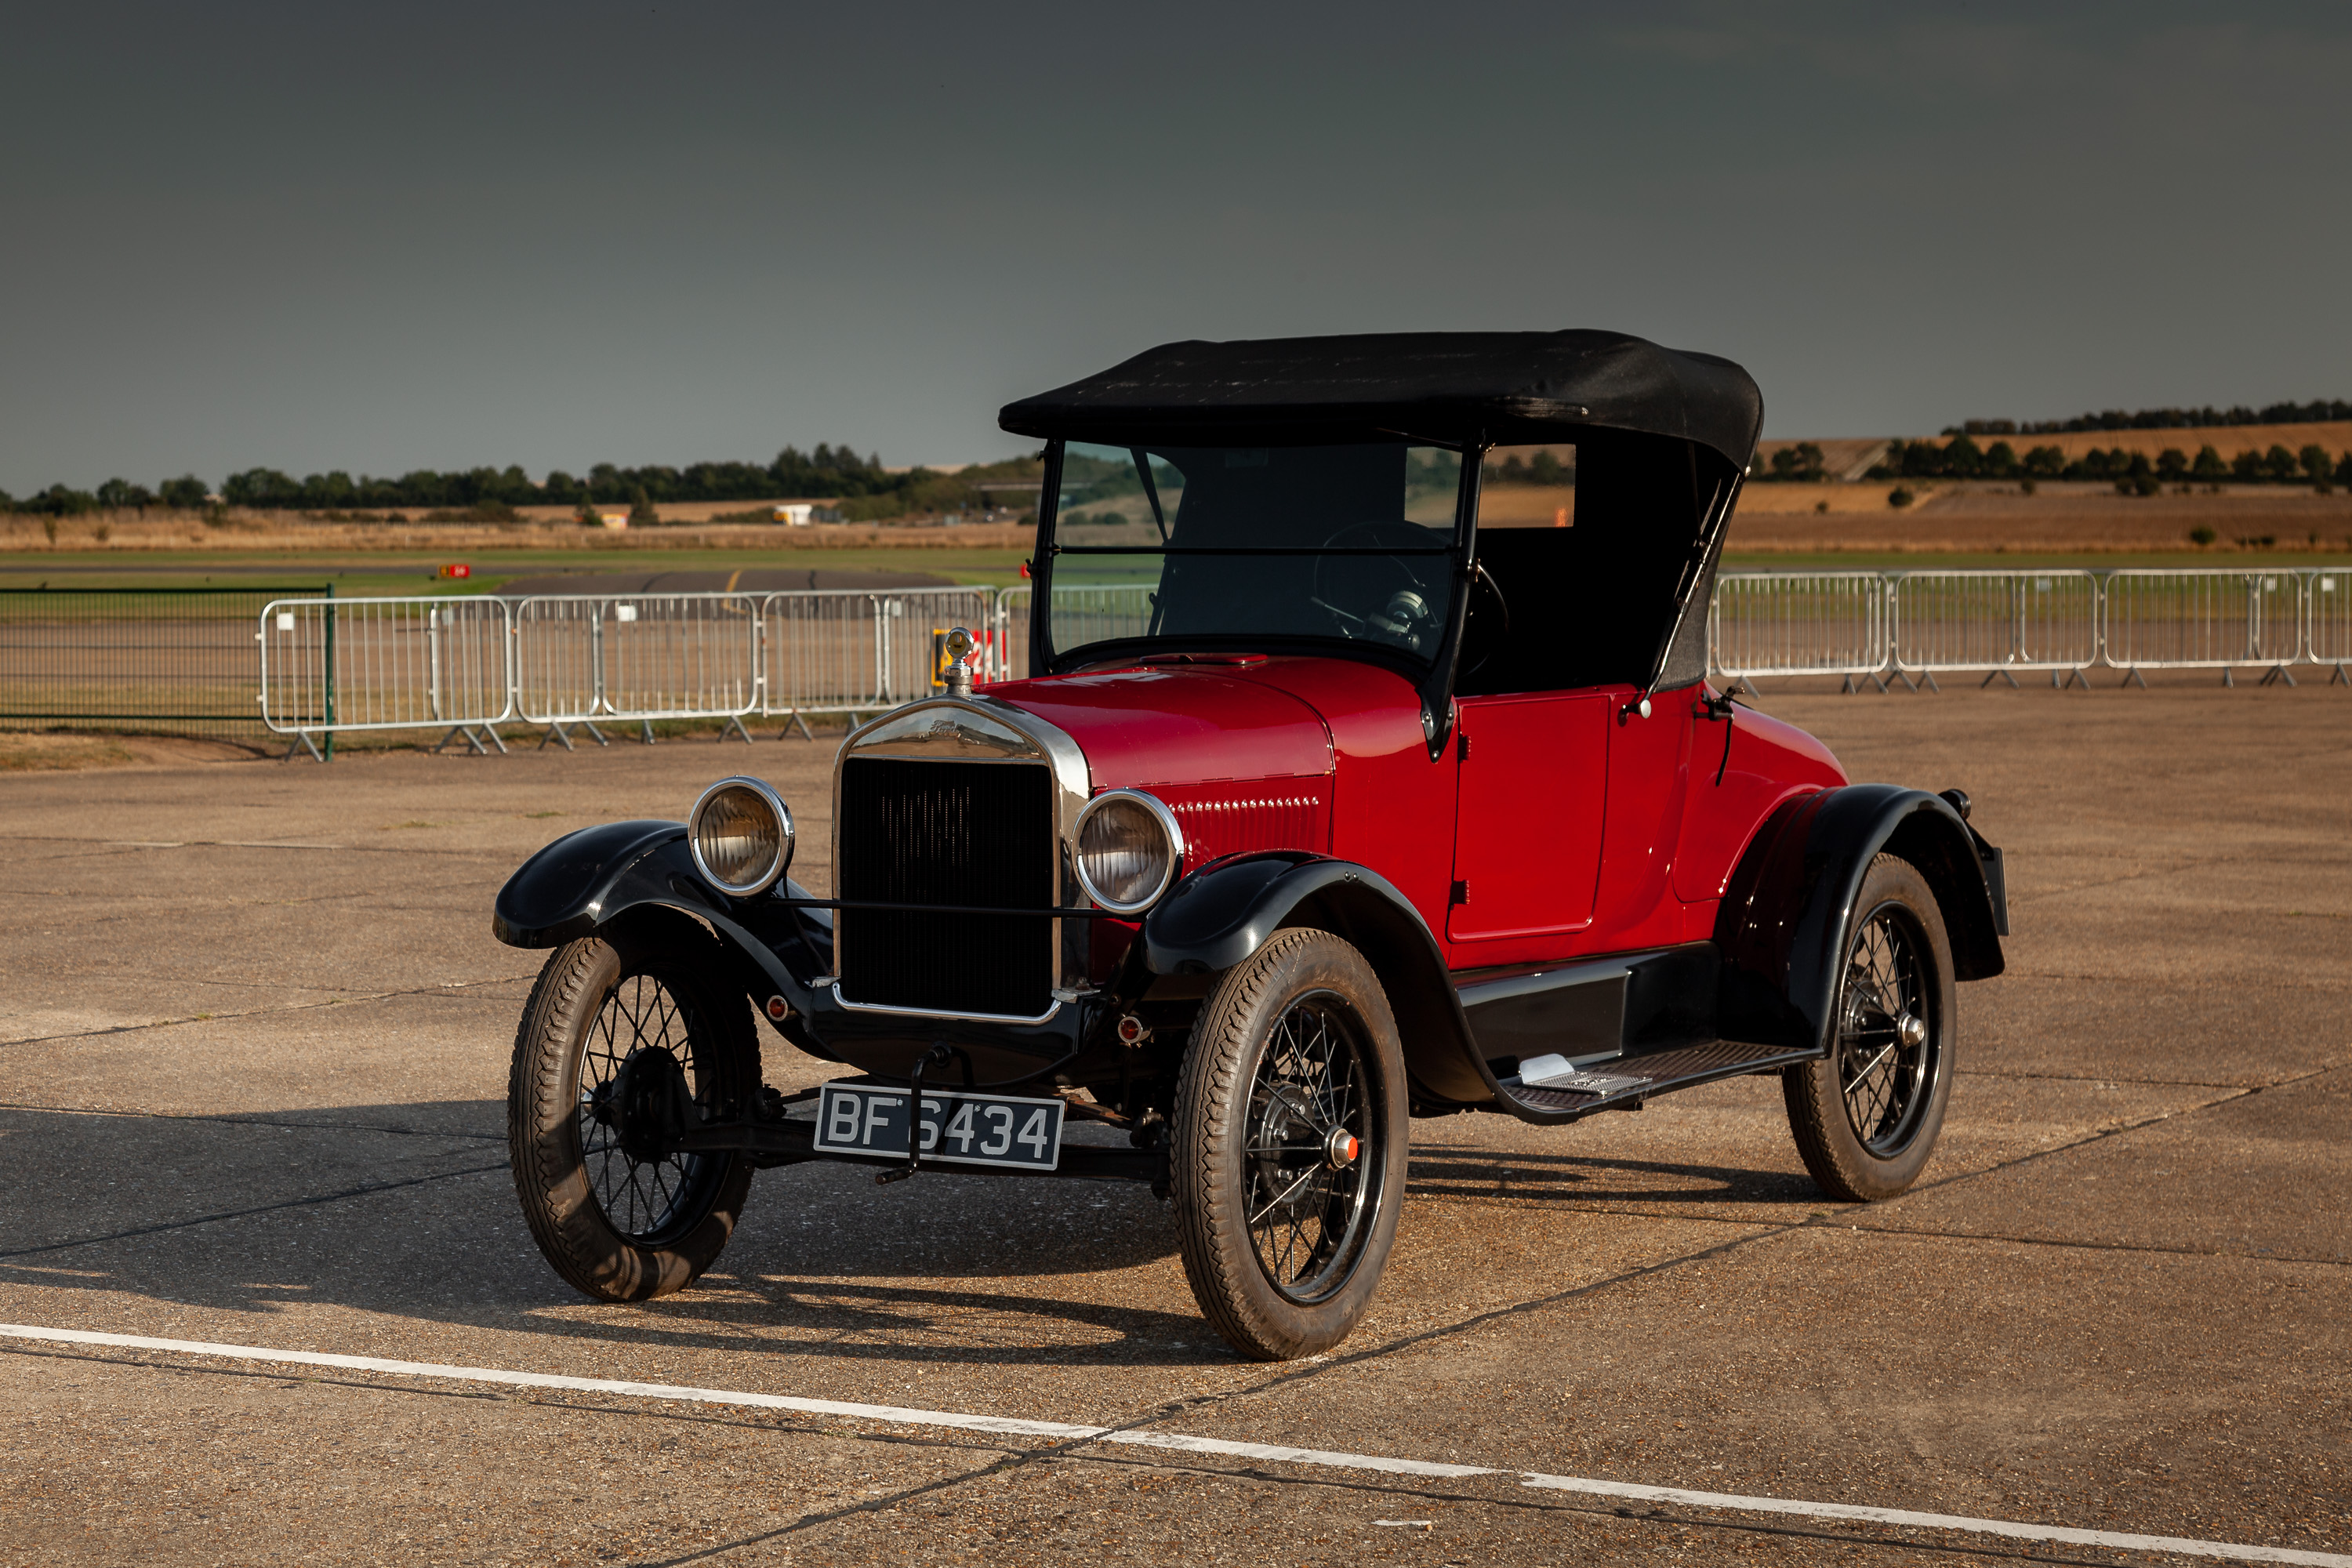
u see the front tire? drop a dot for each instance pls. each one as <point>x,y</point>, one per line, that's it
<point>1290,1147</point>
<point>616,1227</point>
<point>1867,1115</point>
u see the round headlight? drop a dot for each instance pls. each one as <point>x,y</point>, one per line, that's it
<point>1130,849</point>
<point>742,834</point>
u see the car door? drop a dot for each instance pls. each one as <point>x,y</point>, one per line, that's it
<point>1532,792</point>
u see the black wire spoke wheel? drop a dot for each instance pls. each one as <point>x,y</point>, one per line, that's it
<point>1305,1188</point>
<point>1884,1044</point>
<point>623,1039</point>
<point>648,1201</point>
<point>1287,1164</point>
<point>1867,1114</point>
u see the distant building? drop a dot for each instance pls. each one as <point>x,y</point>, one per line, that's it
<point>795,515</point>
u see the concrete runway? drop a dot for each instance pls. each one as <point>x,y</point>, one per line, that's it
<point>254,1031</point>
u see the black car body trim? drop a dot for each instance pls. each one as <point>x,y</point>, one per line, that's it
<point>1782,924</point>
<point>1655,1001</point>
<point>1592,1010</point>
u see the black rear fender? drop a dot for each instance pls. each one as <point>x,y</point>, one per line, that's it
<point>1223,914</point>
<point>1782,926</point>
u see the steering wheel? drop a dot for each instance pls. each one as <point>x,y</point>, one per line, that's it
<point>1486,628</point>
<point>1380,598</point>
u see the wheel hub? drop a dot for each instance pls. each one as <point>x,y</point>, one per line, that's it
<point>1340,1148</point>
<point>649,1105</point>
<point>1912,1030</point>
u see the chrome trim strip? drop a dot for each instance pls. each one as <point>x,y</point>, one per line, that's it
<point>847,1005</point>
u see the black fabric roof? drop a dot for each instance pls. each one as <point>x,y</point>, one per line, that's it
<point>1514,387</point>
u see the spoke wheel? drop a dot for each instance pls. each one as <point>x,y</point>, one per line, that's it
<point>1290,1146</point>
<point>1867,1114</point>
<point>1884,1046</point>
<point>648,1201</point>
<point>620,1220</point>
<point>1303,1185</point>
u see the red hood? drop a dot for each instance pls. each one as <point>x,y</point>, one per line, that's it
<point>1177,725</point>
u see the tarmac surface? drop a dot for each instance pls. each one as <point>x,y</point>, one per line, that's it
<point>255,1031</point>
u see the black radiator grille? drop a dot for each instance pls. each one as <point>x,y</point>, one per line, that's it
<point>947,833</point>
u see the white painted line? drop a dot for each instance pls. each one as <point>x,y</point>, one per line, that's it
<point>1737,1502</point>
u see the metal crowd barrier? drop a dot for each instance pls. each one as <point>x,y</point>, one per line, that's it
<point>847,651</point>
<point>1996,622</point>
<point>1083,612</point>
<point>567,662</point>
<point>330,666</point>
<point>2177,619</point>
<point>2328,621</point>
<point>1800,622</point>
<point>631,659</point>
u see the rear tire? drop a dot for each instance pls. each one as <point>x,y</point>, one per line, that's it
<point>1290,1147</point>
<point>616,1227</point>
<point>1867,1115</point>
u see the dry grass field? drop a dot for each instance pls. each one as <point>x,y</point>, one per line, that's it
<point>1952,517</point>
<point>1773,519</point>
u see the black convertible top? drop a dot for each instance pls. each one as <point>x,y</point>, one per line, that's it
<point>1513,388</point>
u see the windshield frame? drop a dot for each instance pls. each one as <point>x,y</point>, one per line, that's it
<point>1433,678</point>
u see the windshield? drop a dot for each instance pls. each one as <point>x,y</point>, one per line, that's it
<point>1249,543</point>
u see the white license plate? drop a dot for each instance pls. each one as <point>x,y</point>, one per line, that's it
<point>959,1127</point>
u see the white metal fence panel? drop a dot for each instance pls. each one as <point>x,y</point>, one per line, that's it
<point>559,659</point>
<point>837,650</point>
<point>683,656</point>
<point>334,665</point>
<point>1799,623</point>
<point>2158,618</point>
<point>1083,612</point>
<point>1012,619</point>
<point>636,657</point>
<point>2328,616</point>
<point>1953,621</point>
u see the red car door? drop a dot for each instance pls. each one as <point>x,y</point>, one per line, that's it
<point>1534,782</point>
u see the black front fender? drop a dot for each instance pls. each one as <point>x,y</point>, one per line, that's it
<point>584,879</point>
<point>1782,926</point>
<point>1225,911</point>
<point>628,873</point>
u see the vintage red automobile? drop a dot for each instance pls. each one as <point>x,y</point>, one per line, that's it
<point>1406,796</point>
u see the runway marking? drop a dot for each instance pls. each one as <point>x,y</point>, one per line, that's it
<point>1181,1442</point>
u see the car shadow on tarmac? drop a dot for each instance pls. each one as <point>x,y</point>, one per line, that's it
<point>409,1211</point>
<point>1587,1179</point>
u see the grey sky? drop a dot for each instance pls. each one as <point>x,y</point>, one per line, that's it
<point>431,236</point>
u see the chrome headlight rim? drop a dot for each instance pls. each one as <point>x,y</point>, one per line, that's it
<point>1169,827</point>
<point>775,803</point>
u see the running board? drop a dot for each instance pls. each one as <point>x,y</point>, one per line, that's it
<point>1626,1084</point>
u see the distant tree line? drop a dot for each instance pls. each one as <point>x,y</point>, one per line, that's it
<point>2313,413</point>
<point>1962,459</point>
<point>829,471</point>
<point>865,488</point>
<point>1800,464</point>
<point>115,495</point>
